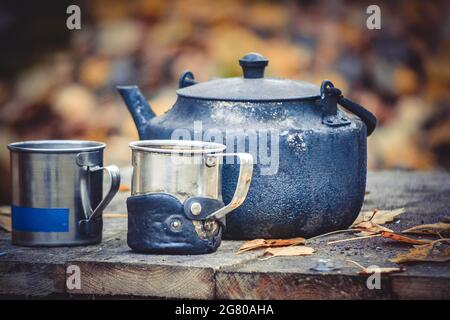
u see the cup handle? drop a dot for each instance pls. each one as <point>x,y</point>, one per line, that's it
<point>243,184</point>
<point>114,176</point>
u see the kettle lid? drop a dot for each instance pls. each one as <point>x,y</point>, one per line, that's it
<point>251,87</point>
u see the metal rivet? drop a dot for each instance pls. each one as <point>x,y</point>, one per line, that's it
<point>196,208</point>
<point>176,224</point>
<point>208,226</point>
<point>324,265</point>
<point>211,161</point>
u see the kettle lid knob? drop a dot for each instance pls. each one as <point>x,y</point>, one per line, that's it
<point>253,65</point>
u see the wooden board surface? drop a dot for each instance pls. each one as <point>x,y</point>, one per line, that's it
<point>41,271</point>
<point>118,271</point>
<point>111,269</point>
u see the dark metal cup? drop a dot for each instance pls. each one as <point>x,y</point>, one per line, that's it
<point>57,192</point>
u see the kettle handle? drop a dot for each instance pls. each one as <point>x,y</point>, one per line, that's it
<point>327,89</point>
<point>186,79</point>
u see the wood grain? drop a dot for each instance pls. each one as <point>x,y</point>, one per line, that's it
<point>111,279</point>
<point>31,279</point>
<point>421,288</point>
<point>38,271</point>
<point>288,286</point>
<point>117,270</point>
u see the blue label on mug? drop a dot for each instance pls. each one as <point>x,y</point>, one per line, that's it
<point>40,219</point>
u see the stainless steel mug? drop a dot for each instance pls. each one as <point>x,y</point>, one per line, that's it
<point>57,192</point>
<point>176,201</point>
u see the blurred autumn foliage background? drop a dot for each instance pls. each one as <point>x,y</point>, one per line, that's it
<point>60,84</point>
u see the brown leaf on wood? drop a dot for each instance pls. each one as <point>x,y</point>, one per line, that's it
<point>252,245</point>
<point>372,269</point>
<point>379,216</point>
<point>400,238</point>
<point>438,229</point>
<point>267,243</point>
<point>365,233</point>
<point>124,187</point>
<point>435,251</point>
<point>287,252</point>
<point>370,227</point>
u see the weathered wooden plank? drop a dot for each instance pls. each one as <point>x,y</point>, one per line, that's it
<point>31,279</point>
<point>293,277</point>
<point>433,288</point>
<point>292,286</point>
<point>422,281</point>
<point>168,281</point>
<point>116,270</point>
<point>41,271</point>
<point>424,195</point>
<point>32,271</point>
<point>112,269</point>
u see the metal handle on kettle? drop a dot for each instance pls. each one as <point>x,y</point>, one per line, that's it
<point>92,214</point>
<point>327,89</point>
<point>242,186</point>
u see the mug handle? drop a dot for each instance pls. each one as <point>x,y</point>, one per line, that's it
<point>92,214</point>
<point>243,183</point>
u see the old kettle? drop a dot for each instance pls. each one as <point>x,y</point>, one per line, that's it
<point>310,156</point>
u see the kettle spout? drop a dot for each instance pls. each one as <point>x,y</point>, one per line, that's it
<point>138,107</point>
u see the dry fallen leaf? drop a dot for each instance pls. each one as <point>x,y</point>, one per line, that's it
<point>400,238</point>
<point>370,227</point>
<point>371,269</point>
<point>435,251</point>
<point>252,244</point>
<point>287,252</point>
<point>267,243</point>
<point>378,216</point>
<point>438,229</point>
<point>368,222</point>
<point>124,187</point>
